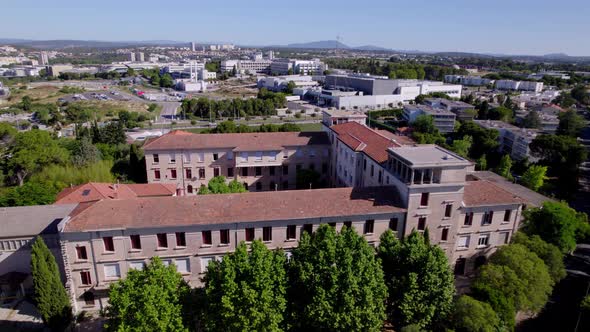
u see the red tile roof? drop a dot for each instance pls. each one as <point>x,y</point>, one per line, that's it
<point>92,191</point>
<point>362,138</point>
<point>232,208</point>
<point>483,193</point>
<point>238,142</point>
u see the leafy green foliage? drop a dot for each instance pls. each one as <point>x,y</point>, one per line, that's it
<point>485,288</point>
<point>556,223</point>
<point>336,283</point>
<point>31,151</point>
<point>500,113</point>
<point>148,300</point>
<point>247,291</point>
<point>418,278</point>
<point>85,153</point>
<point>424,131</point>
<point>30,193</point>
<point>534,177</point>
<point>50,295</point>
<point>484,140</point>
<point>462,146</point>
<point>265,105</point>
<point>63,176</point>
<point>532,120</point>
<point>482,163</point>
<point>550,254</point>
<point>504,167</point>
<point>219,185</point>
<point>570,124</point>
<point>471,315</point>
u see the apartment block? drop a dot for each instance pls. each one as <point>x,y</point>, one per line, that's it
<point>261,161</point>
<point>444,120</point>
<point>513,140</point>
<point>190,232</point>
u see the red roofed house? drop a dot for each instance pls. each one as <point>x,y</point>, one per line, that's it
<point>93,191</point>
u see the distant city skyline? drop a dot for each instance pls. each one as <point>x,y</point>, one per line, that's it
<point>522,27</point>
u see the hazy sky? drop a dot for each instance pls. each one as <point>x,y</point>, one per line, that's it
<point>491,26</point>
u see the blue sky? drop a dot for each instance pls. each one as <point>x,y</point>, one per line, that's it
<point>491,26</point>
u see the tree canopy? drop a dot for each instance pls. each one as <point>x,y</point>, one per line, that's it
<point>336,283</point>
<point>471,315</point>
<point>534,177</point>
<point>148,300</point>
<point>418,277</point>
<point>504,167</point>
<point>550,254</point>
<point>219,185</point>
<point>570,124</point>
<point>246,291</point>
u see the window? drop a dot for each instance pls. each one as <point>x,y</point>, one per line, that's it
<point>421,223</point>
<point>258,156</point>
<point>201,173</point>
<point>365,164</point>
<point>189,189</point>
<point>483,240</point>
<point>173,174</point>
<point>205,262</point>
<point>267,233</point>
<point>445,234</point>
<point>468,219</point>
<point>244,171</point>
<point>86,192</point>
<point>216,171</point>
<point>505,237</point>
<point>348,224</point>
<point>369,225</point>
<point>487,218</point>
<point>135,241</point>
<point>258,186</point>
<point>311,153</point>
<point>244,156</point>
<point>299,152</point>
<point>180,239</point>
<point>308,228</point>
<point>112,271</point>
<point>272,155</point>
<point>271,170</point>
<point>206,237</point>
<point>448,210</point>
<point>183,265</point>
<point>189,173</point>
<point>285,169</point>
<point>85,278</point>
<point>230,156</point>
<point>186,158</point>
<point>88,298</point>
<point>372,170</point>
<point>109,245</point>
<point>249,234</point>
<point>291,232</point>
<point>162,240</point>
<point>172,158</point>
<point>200,157</point>
<point>156,158</point>
<point>393,223</point>
<point>139,265</point>
<point>224,236</point>
<point>157,174</point>
<point>258,171</point>
<point>230,172</point>
<point>380,177</point>
<point>215,156</point>
<point>285,154</point>
<point>507,215</point>
<point>81,253</point>
<point>424,199</point>
<point>463,242</point>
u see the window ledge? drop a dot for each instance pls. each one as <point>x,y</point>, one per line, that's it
<point>108,253</point>
<point>180,248</point>
<point>462,249</point>
<point>161,249</point>
<point>223,245</point>
<point>134,250</point>
<point>267,241</point>
<point>482,247</point>
<point>206,246</point>
<point>291,240</point>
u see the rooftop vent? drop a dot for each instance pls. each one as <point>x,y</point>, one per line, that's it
<point>445,157</point>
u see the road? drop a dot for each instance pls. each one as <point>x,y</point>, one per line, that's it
<point>169,109</point>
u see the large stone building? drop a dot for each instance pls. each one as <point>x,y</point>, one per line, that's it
<point>261,161</point>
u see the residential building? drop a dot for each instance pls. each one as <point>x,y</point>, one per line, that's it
<point>93,191</point>
<point>246,66</point>
<point>294,66</point>
<point>279,83</point>
<point>462,110</point>
<point>519,85</point>
<point>131,56</point>
<point>331,117</point>
<point>549,121</point>
<point>43,59</point>
<point>468,80</point>
<point>189,232</point>
<point>513,140</point>
<point>261,161</point>
<point>444,120</point>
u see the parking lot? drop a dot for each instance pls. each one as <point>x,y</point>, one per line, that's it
<point>101,95</point>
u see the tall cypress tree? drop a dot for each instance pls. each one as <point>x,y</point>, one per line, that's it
<point>50,295</point>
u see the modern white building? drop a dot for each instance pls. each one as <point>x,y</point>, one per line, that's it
<point>519,85</point>
<point>279,83</point>
<point>246,66</point>
<point>468,80</point>
<point>514,141</point>
<point>294,66</point>
<point>444,120</point>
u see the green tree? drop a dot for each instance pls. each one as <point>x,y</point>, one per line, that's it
<point>148,300</point>
<point>50,295</point>
<point>504,167</point>
<point>565,100</point>
<point>499,286</point>
<point>482,163</point>
<point>556,223</point>
<point>30,193</point>
<point>532,120</point>
<point>424,124</point>
<point>166,81</point>
<point>418,278</point>
<point>136,172</point>
<point>581,94</point>
<point>485,141</point>
<point>462,146</point>
<point>482,112</point>
<point>290,86</point>
<point>336,283</point>
<point>570,124</point>
<point>534,177</point>
<point>534,282</point>
<point>26,103</point>
<point>219,185</point>
<point>471,315</point>
<point>500,113</point>
<point>31,151</point>
<point>246,291</point>
<point>85,153</point>
<point>550,254</point>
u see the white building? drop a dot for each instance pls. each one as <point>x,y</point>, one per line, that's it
<point>246,66</point>
<point>514,141</point>
<point>468,80</point>
<point>519,85</point>
<point>279,83</point>
<point>444,120</point>
<point>294,66</point>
